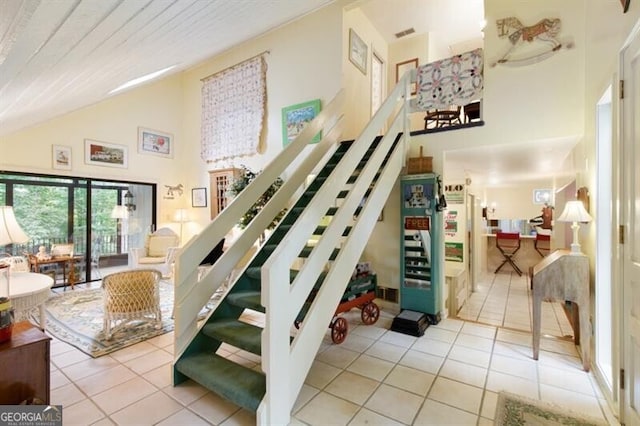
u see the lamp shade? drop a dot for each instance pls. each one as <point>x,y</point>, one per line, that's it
<point>10,230</point>
<point>119,212</point>
<point>181,215</point>
<point>574,212</point>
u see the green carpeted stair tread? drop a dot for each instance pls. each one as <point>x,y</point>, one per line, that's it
<point>306,252</point>
<point>255,272</point>
<point>246,299</point>
<point>236,333</point>
<point>242,386</point>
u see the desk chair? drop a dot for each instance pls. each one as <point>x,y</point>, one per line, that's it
<point>442,117</point>
<point>508,243</point>
<point>542,244</point>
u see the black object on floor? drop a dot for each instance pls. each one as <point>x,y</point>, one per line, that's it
<point>410,322</point>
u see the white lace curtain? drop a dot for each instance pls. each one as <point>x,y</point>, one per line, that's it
<point>233,109</point>
<point>453,81</point>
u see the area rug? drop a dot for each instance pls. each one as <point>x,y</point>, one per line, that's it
<point>76,317</point>
<point>515,410</point>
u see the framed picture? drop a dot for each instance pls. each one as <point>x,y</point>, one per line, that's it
<point>625,5</point>
<point>154,142</point>
<point>358,51</point>
<point>295,117</point>
<point>403,67</point>
<point>199,197</point>
<point>61,157</point>
<point>105,154</point>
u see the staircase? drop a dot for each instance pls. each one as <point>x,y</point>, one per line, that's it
<point>338,210</point>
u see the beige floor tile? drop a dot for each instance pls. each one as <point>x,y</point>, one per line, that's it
<point>69,358</point>
<point>352,387</point>
<point>57,379</point>
<point>240,418</point>
<point>440,334</point>
<point>306,393</point>
<point>147,411</point>
<point>368,417</point>
<point>434,413</point>
<point>577,402</point>
<point>235,357</point>
<point>162,340</point>
<point>186,392</point>
<point>386,351</point>
<point>325,409</point>
<point>337,356</point>
<point>474,342</point>
<point>498,382</point>
<point>89,367</point>
<point>479,330</point>
<point>57,347</point>
<point>105,379</point>
<point>184,417</point>
<point>104,422</point>
<point>470,356</point>
<point>150,361</point>
<point>371,367</point>
<point>422,361</point>
<point>124,394</point>
<point>81,414</point>
<point>321,374</point>
<point>513,351</point>
<point>525,368</point>
<point>66,395</point>
<point>456,394</point>
<point>464,373</point>
<point>134,351</point>
<point>432,346</point>
<point>398,339</point>
<point>410,379</point>
<point>213,408</point>
<point>450,324</point>
<point>395,403</point>
<point>357,343</point>
<point>564,347</point>
<point>368,331</point>
<point>489,405</point>
<point>160,377</point>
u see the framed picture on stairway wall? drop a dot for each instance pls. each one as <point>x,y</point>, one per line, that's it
<point>358,51</point>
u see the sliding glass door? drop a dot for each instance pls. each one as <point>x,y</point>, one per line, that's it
<point>103,219</point>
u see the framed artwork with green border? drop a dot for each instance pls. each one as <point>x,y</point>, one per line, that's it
<point>295,117</point>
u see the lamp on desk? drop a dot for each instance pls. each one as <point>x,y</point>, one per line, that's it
<point>10,230</point>
<point>575,212</point>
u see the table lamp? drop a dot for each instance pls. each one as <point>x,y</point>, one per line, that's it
<point>181,216</point>
<point>574,212</point>
<point>10,232</point>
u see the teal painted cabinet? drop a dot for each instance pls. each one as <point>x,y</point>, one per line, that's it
<point>421,256</point>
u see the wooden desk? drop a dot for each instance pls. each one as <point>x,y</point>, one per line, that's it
<point>25,365</point>
<point>563,276</point>
<point>64,261</point>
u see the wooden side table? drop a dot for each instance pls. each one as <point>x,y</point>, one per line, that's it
<point>25,365</point>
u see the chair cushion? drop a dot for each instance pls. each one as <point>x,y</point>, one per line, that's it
<point>150,260</point>
<point>159,244</point>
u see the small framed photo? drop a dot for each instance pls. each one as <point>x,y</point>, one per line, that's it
<point>403,67</point>
<point>295,117</point>
<point>358,51</point>
<point>154,142</point>
<point>61,157</point>
<point>199,197</point>
<point>105,154</point>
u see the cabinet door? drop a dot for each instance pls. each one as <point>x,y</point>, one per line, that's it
<point>219,182</point>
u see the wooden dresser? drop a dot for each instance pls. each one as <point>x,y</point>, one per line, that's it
<point>24,365</point>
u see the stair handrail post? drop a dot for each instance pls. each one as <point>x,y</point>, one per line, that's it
<point>407,79</point>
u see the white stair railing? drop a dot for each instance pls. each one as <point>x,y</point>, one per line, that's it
<point>286,365</point>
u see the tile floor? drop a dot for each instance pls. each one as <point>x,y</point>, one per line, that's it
<point>451,375</point>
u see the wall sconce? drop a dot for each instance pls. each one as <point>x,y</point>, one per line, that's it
<point>488,209</point>
<point>128,201</point>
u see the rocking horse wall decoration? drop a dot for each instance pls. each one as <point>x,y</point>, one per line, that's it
<point>530,44</point>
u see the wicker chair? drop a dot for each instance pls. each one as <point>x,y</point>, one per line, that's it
<point>131,295</point>
<point>159,252</point>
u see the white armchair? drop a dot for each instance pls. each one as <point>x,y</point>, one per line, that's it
<point>159,252</point>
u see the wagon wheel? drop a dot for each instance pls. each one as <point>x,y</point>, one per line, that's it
<point>339,328</point>
<point>370,313</point>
